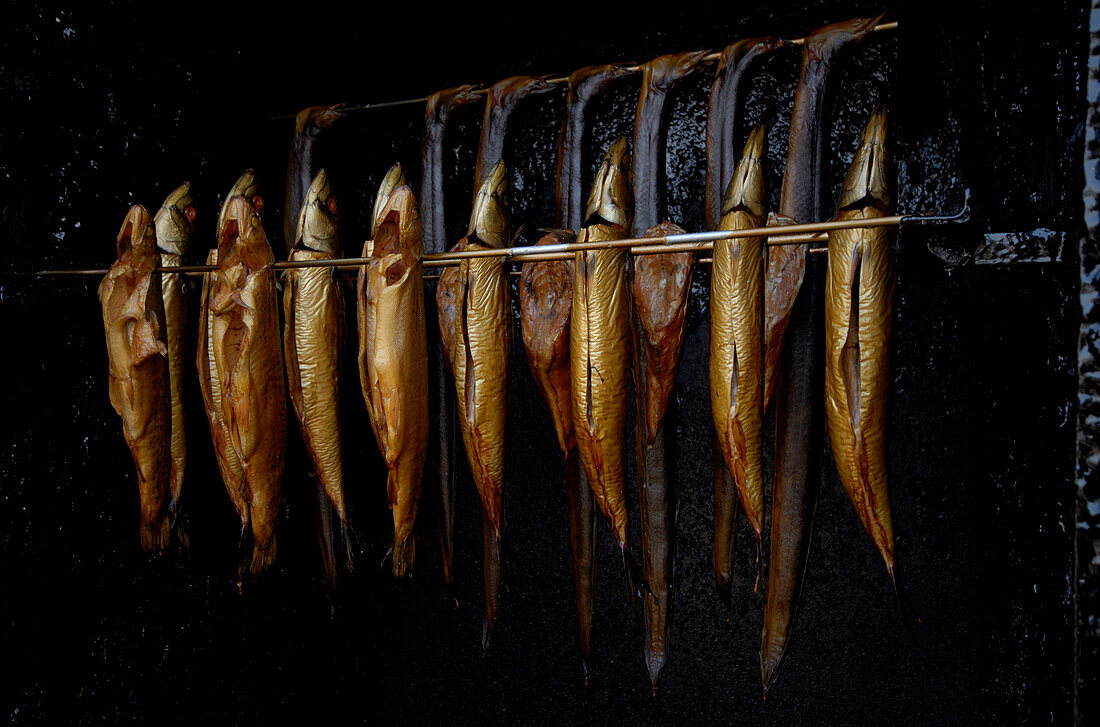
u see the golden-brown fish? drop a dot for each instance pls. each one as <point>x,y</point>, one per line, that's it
<point>737,349</point>
<point>313,341</point>
<point>175,221</point>
<point>308,125</point>
<point>229,464</point>
<point>859,309</point>
<point>137,355</point>
<point>600,344</point>
<point>474,301</point>
<point>248,358</point>
<point>393,359</point>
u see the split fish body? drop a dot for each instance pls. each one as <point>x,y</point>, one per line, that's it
<point>859,303</point>
<point>393,360</point>
<point>137,355</point>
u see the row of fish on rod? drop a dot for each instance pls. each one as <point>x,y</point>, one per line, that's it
<point>809,333</point>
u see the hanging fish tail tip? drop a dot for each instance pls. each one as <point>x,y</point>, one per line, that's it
<point>655,662</point>
<point>403,553</point>
<point>263,558</point>
<point>156,536</point>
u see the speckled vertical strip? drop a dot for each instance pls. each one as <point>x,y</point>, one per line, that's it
<point>1088,416</point>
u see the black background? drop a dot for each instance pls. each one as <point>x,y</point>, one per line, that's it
<point>114,105</point>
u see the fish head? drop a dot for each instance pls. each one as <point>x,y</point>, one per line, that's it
<point>587,81</point>
<point>175,220</point>
<point>441,103</point>
<point>317,227</point>
<point>746,187</point>
<point>611,198</point>
<point>137,240</point>
<point>397,238</point>
<point>246,187</point>
<point>241,231</point>
<point>868,179</point>
<point>510,91</point>
<point>394,178</point>
<point>663,72</point>
<point>744,49</point>
<point>826,42</point>
<point>314,118</point>
<point>489,221</point>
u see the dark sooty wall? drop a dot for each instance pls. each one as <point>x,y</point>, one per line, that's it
<point>115,106</point>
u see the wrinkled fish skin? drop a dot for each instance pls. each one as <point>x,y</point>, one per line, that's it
<point>313,339</point>
<point>308,125</point>
<point>501,100</point>
<point>546,297</point>
<point>859,303</point>
<point>600,337</point>
<point>393,360</point>
<point>736,358</point>
<point>794,342</point>
<point>175,221</point>
<point>137,355</point>
<point>245,339</point>
<point>737,335</point>
<point>475,324</point>
<point>722,110</point>
<point>229,464</point>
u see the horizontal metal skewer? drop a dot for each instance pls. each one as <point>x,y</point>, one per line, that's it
<point>710,57</point>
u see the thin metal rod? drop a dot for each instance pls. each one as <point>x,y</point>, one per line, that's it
<point>710,57</point>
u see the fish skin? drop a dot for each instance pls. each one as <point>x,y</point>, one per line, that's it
<point>393,362</point>
<point>313,340</point>
<point>475,324</point>
<point>174,226</point>
<point>546,297</point>
<point>723,106</point>
<point>583,85</point>
<point>308,125</point>
<point>500,102</point>
<point>138,383</point>
<point>441,469</point>
<point>859,302</point>
<point>794,341</point>
<point>248,357</point>
<point>737,346</point>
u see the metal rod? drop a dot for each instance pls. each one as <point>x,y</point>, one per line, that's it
<point>710,57</point>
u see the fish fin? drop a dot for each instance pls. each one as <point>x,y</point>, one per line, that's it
<point>403,553</point>
<point>326,539</point>
<point>244,554</point>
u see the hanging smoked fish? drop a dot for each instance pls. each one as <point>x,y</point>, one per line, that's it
<point>859,309</point>
<point>137,356</point>
<point>502,99</point>
<point>439,108</point>
<point>722,114</point>
<point>175,221</point>
<point>736,356</point>
<point>210,383</point>
<point>600,346</point>
<point>308,125</point>
<point>475,323</point>
<point>313,340</point>
<point>660,289</point>
<point>248,358</point>
<point>794,341</point>
<point>393,359</point>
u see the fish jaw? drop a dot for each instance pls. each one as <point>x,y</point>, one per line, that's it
<point>175,221</point>
<point>245,186</point>
<point>868,178</point>
<point>858,328</point>
<point>746,187</point>
<point>489,220</point>
<point>136,243</point>
<point>395,177</point>
<point>546,296</point>
<point>663,72</point>
<point>317,221</point>
<point>612,199</point>
<point>314,118</point>
<point>600,345</point>
<point>660,287</point>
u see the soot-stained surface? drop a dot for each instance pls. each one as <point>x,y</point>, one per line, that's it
<point>117,105</point>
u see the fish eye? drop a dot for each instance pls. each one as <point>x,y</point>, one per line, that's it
<point>190,213</point>
<point>258,203</point>
<point>332,205</point>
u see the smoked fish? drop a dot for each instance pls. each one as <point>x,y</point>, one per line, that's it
<point>313,341</point>
<point>137,356</point>
<point>859,309</point>
<point>503,98</point>
<point>794,341</point>
<point>248,359</point>
<point>393,359</point>
<point>210,383</point>
<point>736,356</point>
<point>308,125</point>
<point>474,304</point>
<point>600,337</point>
<point>175,221</point>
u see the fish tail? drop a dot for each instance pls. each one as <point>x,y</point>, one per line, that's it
<point>492,567</point>
<point>403,553</point>
<point>725,521</point>
<point>156,535</point>
<point>582,532</point>
<point>263,556</point>
<point>326,538</point>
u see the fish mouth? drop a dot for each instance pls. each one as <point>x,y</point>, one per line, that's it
<point>868,181</point>
<point>489,221</point>
<point>134,227</point>
<point>611,197</point>
<point>175,220</point>
<point>394,178</point>
<point>317,226</point>
<point>746,188</point>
